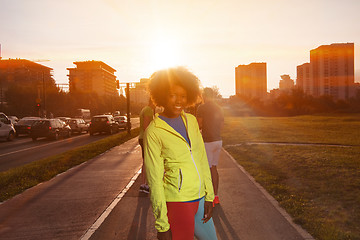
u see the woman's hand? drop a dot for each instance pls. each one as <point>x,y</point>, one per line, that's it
<point>208,211</point>
<point>164,235</point>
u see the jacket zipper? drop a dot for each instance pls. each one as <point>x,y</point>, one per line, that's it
<point>196,171</point>
<point>192,157</point>
<point>180,179</point>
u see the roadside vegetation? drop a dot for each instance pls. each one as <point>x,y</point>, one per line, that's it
<point>17,180</point>
<point>317,181</point>
<point>292,103</point>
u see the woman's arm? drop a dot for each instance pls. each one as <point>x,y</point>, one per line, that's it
<point>204,164</point>
<point>164,235</point>
<point>147,120</point>
<point>208,211</point>
<point>154,166</point>
<point>209,190</point>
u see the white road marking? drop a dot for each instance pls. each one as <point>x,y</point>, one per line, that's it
<point>108,210</point>
<point>25,149</point>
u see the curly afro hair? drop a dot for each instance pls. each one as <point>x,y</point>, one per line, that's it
<point>160,82</point>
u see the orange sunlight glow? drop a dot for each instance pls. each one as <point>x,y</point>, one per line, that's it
<point>165,53</point>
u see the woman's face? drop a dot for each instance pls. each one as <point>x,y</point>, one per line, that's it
<point>177,101</point>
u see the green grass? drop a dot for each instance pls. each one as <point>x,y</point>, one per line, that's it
<point>304,129</point>
<point>17,180</point>
<point>319,186</point>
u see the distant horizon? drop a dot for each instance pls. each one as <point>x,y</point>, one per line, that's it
<point>210,38</point>
<point>41,62</point>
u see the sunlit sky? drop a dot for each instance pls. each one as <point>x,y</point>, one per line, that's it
<point>209,37</point>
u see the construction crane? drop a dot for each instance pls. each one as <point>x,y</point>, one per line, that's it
<point>40,60</point>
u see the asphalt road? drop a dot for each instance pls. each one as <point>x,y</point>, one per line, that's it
<point>23,150</point>
<point>65,206</point>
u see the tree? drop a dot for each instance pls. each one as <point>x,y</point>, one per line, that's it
<point>213,92</point>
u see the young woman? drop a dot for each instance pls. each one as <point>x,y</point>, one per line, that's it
<point>181,191</point>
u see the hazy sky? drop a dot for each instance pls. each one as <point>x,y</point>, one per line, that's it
<point>211,38</point>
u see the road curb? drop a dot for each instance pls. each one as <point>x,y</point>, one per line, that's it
<point>273,201</point>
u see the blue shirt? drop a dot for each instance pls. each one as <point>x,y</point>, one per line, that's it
<point>178,125</point>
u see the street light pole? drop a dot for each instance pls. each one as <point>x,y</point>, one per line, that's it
<point>128,107</point>
<point>1,88</point>
<point>44,94</point>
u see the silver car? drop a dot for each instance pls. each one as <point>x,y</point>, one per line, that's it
<point>78,125</point>
<point>7,129</point>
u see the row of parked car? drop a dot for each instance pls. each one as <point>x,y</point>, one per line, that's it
<point>54,128</point>
<point>7,129</point>
<point>107,123</point>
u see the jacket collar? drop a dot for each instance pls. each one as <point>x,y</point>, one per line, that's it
<point>159,123</point>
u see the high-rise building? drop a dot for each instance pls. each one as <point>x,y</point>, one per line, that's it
<point>286,83</point>
<point>250,80</point>
<point>139,93</point>
<point>24,72</point>
<point>304,78</point>
<point>333,70</point>
<point>93,77</point>
<point>29,75</point>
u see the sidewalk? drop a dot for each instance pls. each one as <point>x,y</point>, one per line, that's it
<point>246,212</point>
<point>67,206</point>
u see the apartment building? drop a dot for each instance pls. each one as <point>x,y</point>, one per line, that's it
<point>333,70</point>
<point>251,80</point>
<point>26,74</point>
<point>304,78</point>
<point>139,93</point>
<point>93,77</point>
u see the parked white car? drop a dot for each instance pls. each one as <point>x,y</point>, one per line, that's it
<point>7,129</point>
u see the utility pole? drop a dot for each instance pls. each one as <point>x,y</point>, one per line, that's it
<point>44,94</point>
<point>43,103</point>
<point>128,107</point>
<point>1,91</point>
<point>38,101</point>
<point>1,86</point>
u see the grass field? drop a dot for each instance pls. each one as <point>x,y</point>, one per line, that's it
<point>318,181</point>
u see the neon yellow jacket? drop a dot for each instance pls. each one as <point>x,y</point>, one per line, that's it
<point>176,172</point>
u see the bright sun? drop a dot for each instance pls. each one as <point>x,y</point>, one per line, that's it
<point>165,53</point>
